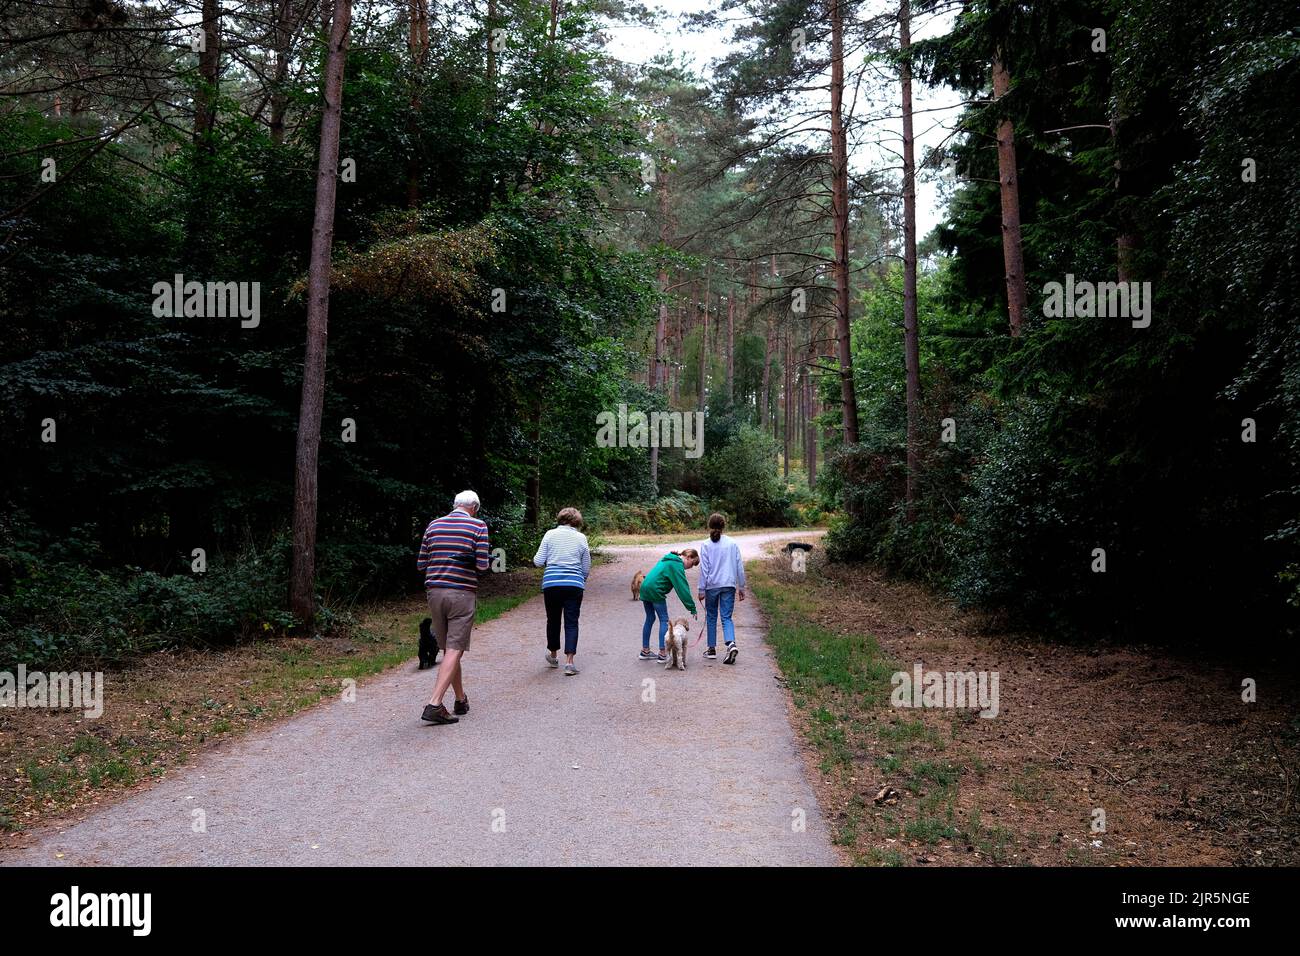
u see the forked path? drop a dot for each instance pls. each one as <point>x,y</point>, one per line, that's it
<point>545,769</point>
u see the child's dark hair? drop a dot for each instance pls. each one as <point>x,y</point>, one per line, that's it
<point>716,523</point>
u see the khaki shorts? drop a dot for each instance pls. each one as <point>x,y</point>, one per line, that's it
<point>452,610</point>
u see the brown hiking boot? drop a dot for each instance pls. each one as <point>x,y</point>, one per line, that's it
<point>438,715</point>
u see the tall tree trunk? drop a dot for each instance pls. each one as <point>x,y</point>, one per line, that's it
<point>840,215</point>
<point>1008,178</point>
<point>704,338</point>
<point>1126,241</point>
<point>491,55</point>
<point>911,345</point>
<point>731,348</point>
<point>418,33</point>
<point>661,326</point>
<point>751,311</point>
<point>533,483</point>
<point>789,402</point>
<point>715,348</point>
<point>764,399</point>
<point>799,440</point>
<point>676,371</point>
<point>809,427</point>
<point>199,244</point>
<point>656,378</point>
<point>773,333</point>
<point>418,47</point>
<point>285,27</point>
<point>205,101</point>
<point>302,576</point>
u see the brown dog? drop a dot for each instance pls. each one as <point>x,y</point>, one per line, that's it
<point>675,650</point>
<point>636,585</point>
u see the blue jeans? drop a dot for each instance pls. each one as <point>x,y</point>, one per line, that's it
<point>715,598</point>
<point>653,608</point>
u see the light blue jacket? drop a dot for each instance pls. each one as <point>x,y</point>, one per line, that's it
<point>720,565</point>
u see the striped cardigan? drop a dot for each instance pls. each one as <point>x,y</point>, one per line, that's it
<point>566,557</point>
<point>454,552</point>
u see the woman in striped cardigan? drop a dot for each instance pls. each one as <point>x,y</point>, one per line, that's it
<point>567,559</point>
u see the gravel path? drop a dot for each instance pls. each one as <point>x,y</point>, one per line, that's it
<point>546,769</point>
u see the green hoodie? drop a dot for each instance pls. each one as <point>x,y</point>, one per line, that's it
<point>668,575</point>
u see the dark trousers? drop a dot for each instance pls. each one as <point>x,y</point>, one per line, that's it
<point>566,601</point>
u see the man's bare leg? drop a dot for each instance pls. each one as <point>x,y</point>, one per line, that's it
<point>448,671</point>
<point>456,684</point>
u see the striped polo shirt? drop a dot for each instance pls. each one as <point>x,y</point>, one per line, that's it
<point>454,552</point>
<point>566,557</point>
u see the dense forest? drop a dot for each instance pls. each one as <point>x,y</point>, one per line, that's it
<point>462,231</point>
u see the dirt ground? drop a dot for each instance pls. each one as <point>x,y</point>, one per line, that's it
<point>1185,772</point>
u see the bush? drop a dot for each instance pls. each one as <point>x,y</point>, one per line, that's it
<point>63,614</point>
<point>347,571</point>
<point>518,540</point>
<point>807,507</point>
<point>677,513</point>
<point>740,478</point>
<point>1032,516</point>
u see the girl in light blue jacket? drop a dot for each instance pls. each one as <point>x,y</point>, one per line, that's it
<point>722,577</point>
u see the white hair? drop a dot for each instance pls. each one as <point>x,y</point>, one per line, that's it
<point>465,499</point>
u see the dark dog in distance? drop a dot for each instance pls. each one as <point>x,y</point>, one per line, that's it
<point>428,644</point>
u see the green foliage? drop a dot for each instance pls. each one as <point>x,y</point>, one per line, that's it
<point>740,477</point>
<point>1089,433</point>
<point>1026,499</point>
<point>677,513</point>
<point>63,614</point>
<point>176,433</point>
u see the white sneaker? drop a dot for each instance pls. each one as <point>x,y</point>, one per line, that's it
<point>732,651</point>
<point>552,660</point>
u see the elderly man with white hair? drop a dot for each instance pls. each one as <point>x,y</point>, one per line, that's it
<point>452,556</point>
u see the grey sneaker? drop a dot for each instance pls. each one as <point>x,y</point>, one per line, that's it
<point>732,651</point>
<point>570,670</point>
<point>551,660</point>
<point>647,655</point>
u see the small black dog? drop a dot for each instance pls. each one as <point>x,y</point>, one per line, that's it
<point>794,546</point>
<point>428,645</point>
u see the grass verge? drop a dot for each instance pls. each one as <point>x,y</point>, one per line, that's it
<point>889,782</point>
<point>165,708</point>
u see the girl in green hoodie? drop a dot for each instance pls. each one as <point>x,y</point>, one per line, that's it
<point>668,575</point>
